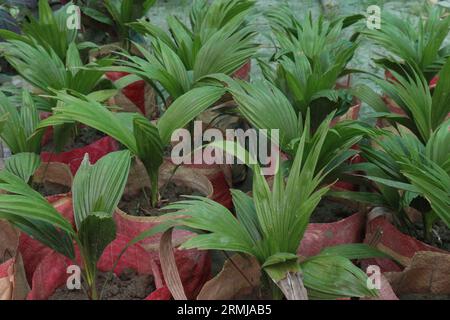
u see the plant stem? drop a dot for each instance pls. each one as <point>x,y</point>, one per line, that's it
<point>276,292</point>
<point>426,229</point>
<point>91,276</point>
<point>153,175</point>
<point>94,294</point>
<point>154,190</point>
<point>163,189</point>
<point>126,44</point>
<point>428,219</point>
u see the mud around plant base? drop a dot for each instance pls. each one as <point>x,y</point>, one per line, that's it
<point>140,205</point>
<point>47,189</point>
<point>128,286</point>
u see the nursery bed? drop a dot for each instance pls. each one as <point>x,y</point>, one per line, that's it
<point>88,183</point>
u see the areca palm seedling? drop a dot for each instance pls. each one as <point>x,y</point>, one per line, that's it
<point>49,63</point>
<point>408,173</point>
<point>312,55</point>
<point>116,15</point>
<point>143,138</point>
<point>283,19</point>
<point>48,56</point>
<point>43,69</point>
<point>208,17</point>
<point>96,190</point>
<point>180,60</point>
<point>266,107</point>
<point>429,174</point>
<point>48,30</point>
<point>413,45</point>
<point>424,110</point>
<point>18,124</point>
<point>271,224</point>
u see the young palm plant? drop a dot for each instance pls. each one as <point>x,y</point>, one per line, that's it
<point>407,173</point>
<point>266,107</point>
<point>208,17</point>
<point>180,60</point>
<point>413,45</point>
<point>428,171</point>
<point>143,138</point>
<point>43,69</point>
<point>424,110</point>
<point>48,58</point>
<point>271,224</point>
<point>312,55</point>
<point>96,190</point>
<point>19,124</point>
<point>49,30</point>
<point>47,55</point>
<point>116,14</point>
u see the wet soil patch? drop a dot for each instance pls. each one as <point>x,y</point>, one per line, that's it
<point>128,286</point>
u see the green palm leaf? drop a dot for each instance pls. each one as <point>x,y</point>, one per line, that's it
<point>331,277</point>
<point>99,187</point>
<point>31,213</point>
<point>23,165</point>
<point>20,124</point>
<point>49,30</point>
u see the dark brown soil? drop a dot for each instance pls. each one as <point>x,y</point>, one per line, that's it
<point>49,189</point>
<point>331,211</point>
<point>129,286</point>
<point>257,294</point>
<point>439,237</point>
<point>84,137</point>
<point>424,297</point>
<point>140,205</point>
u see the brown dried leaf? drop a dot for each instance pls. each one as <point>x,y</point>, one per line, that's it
<point>54,172</point>
<point>428,274</point>
<point>169,267</point>
<point>232,283</point>
<point>14,285</point>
